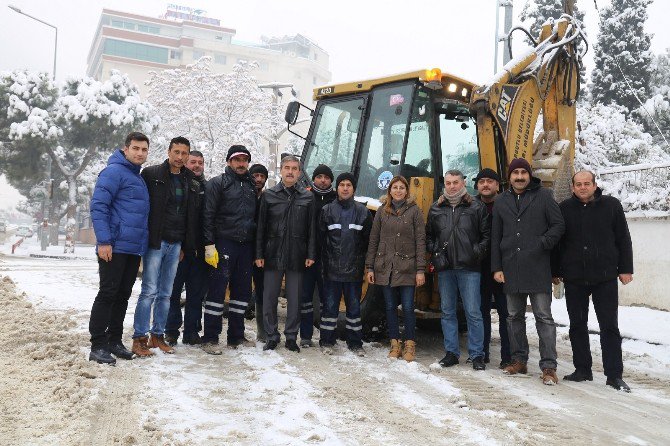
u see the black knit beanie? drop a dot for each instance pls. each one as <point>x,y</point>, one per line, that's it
<point>258,168</point>
<point>345,176</point>
<point>322,169</point>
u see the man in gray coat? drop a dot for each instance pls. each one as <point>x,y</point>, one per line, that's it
<point>527,224</point>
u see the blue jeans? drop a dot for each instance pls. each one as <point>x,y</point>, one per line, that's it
<point>450,283</point>
<point>159,269</point>
<point>311,278</point>
<point>193,273</point>
<point>331,309</point>
<point>407,301</point>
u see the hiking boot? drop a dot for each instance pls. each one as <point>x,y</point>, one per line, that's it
<point>211,348</point>
<point>306,343</point>
<point>516,367</point>
<point>395,349</point>
<point>409,352</point>
<point>191,340</point>
<point>579,376</point>
<point>618,384</point>
<point>171,340</point>
<point>140,347</point>
<point>158,342</point>
<point>120,351</point>
<point>327,349</point>
<point>449,360</point>
<point>478,363</point>
<point>290,344</point>
<point>270,345</point>
<point>101,356</point>
<point>549,377</point>
<point>504,363</point>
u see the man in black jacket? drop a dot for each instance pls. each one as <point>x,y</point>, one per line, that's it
<point>459,229</point>
<point>527,224</point>
<point>344,226</point>
<point>192,272</point>
<point>285,246</point>
<point>322,188</point>
<point>228,230</point>
<point>487,183</point>
<point>172,233</point>
<point>595,250</point>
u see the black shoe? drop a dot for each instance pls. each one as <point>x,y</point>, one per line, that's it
<point>618,384</point>
<point>290,344</point>
<point>449,360</point>
<point>270,345</point>
<point>171,340</point>
<point>120,351</point>
<point>101,356</point>
<point>478,363</point>
<point>486,359</point>
<point>579,376</point>
<point>250,313</point>
<point>192,340</point>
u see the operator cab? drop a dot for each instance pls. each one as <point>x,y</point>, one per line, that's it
<point>414,125</point>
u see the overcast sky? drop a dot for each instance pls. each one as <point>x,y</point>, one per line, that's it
<point>365,38</point>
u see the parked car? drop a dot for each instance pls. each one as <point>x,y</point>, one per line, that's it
<point>24,231</point>
<point>3,226</point>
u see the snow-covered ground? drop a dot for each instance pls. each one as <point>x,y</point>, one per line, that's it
<point>248,396</point>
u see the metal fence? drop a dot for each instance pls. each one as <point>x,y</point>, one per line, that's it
<point>638,186</point>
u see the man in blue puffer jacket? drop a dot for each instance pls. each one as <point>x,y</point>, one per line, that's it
<point>120,213</point>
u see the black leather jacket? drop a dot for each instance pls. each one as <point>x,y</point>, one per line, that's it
<point>469,241</point>
<point>160,189</point>
<point>230,208</point>
<point>286,234</point>
<point>344,229</point>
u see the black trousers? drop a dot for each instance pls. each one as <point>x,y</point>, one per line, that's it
<point>494,297</point>
<point>117,278</point>
<point>605,297</point>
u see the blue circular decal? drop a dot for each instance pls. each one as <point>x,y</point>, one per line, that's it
<point>384,179</point>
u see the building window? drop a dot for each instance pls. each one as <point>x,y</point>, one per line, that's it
<point>174,54</point>
<point>128,25</point>
<point>154,30</point>
<point>220,58</point>
<point>137,51</point>
<point>263,65</point>
<point>197,54</point>
<point>117,23</point>
<point>143,28</point>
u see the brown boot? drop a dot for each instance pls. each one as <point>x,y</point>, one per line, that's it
<point>159,342</point>
<point>549,377</point>
<point>140,347</point>
<point>409,352</point>
<point>516,367</point>
<point>395,349</point>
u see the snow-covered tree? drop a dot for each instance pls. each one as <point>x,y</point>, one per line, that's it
<point>622,46</point>
<point>80,124</point>
<point>536,12</point>
<point>657,107</point>
<point>212,110</point>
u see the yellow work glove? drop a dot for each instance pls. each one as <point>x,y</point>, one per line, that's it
<point>211,255</point>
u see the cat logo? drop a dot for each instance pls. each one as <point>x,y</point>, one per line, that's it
<point>503,107</point>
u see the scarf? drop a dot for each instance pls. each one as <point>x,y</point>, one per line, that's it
<point>455,199</point>
<point>322,191</point>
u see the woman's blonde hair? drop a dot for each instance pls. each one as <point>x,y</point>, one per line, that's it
<point>388,206</point>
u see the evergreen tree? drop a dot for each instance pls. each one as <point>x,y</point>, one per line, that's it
<point>658,105</point>
<point>622,41</point>
<point>539,11</point>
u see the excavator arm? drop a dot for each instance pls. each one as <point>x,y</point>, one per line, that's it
<point>545,79</point>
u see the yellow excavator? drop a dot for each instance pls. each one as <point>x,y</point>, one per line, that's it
<point>422,123</point>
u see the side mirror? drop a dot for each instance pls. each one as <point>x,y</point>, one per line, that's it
<point>292,110</point>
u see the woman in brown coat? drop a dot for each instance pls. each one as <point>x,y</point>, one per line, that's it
<point>396,260</point>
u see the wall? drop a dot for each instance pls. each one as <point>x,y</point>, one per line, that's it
<point>651,256</point>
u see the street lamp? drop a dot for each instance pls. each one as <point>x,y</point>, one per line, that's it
<point>47,198</point>
<point>274,139</point>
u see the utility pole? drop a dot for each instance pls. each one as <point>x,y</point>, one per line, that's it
<point>509,18</point>
<point>273,140</point>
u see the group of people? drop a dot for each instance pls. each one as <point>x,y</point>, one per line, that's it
<point>220,236</point>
